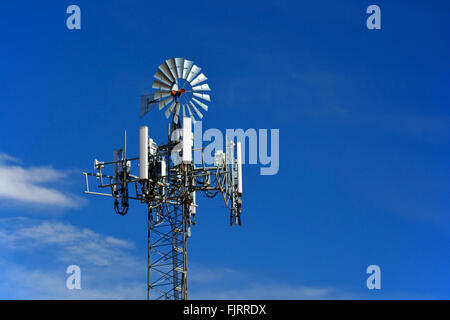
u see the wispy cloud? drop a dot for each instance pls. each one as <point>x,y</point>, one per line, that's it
<point>200,274</point>
<point>110,269</point>
<point>70,243</point>
<point>21,282</point>
<point>6,157</point>
<point>228,284</point>
<point>269,291</point>
<point>29,185</point>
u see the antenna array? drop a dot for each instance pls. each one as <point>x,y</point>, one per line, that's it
<point>168,180</point>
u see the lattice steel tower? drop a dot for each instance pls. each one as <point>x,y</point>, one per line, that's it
<point>169,179</point>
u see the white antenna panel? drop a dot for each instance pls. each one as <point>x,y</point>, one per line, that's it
<point>187,139</point>
<point>239,166</point>
<point>143,152</point>
<point>193,204</point>
<point>163,168</point>
<point>219,158</point>
<point>152,147</point>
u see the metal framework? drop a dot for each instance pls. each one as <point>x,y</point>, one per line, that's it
<point>168,187</point>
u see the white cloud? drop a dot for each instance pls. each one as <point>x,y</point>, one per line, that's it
<point>19,282</point>
<point>24,185</point>
<point>73,244</point>
<point>228,284</point>
<point>110,268</point>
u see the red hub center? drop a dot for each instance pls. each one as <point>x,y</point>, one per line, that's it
<point>179,92</point>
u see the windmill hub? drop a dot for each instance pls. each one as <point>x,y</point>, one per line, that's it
<point>177,92</point>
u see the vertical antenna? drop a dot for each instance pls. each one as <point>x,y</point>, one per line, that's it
<point>168,130</point>
<point>239,166</point>
<point>125,145</point>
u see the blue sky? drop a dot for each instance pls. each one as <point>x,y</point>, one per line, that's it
<point>364,145</point>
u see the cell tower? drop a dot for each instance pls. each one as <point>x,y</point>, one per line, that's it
<point>168,178</point>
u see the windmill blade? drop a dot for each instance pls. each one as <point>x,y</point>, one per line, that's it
<point>163,103</point>
<point>160,86</point>
<point>196,110</point>
<point>172,68</point>
<point>165,70</point>
<point>170,110</point>
<point>199,79</point>
<point>184,110</point>
<point>190,113</point>
<point>203,96</point>
<point>187,68</point>
<point>162,78</point>
<point>147,103</point>
<point>179,64</point>
<point>203,87</point>
<point>194,71</point>
<point>201,104</point>
<point>161,95</point>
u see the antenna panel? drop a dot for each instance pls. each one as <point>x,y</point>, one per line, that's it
<point>143,152</point>
<point>219,158</point>
<point>152,147</point>
<point>187,140</point>
<point>193,205</point>
<point>239,167</point>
